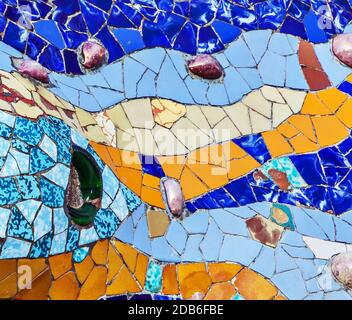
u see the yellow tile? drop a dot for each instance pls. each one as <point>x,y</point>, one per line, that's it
<point>191,185</point>
<point>151,181</point>
<point>287,130</point>
<point>345,113</point>
<point>153,197</point>
<point>100,252</point>
<point>304,124</point>
<point>128,253</point>
<point>95,285</point>
<point>240,167</point>
<point>301,144</point>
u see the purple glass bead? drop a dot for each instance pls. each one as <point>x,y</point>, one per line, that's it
<point>342,48</point>
<point>206,67</point>
<point>173,196</point>
<point>93,55</point>
<point>33,69</point>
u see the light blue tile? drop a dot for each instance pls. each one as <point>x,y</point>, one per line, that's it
<point>198,89</point>
<point>4,147</point>
<point>251,76</point>
<point>284,282</point>
<point>298,252</point>
<point>72,82</point>
<point>10,167</point>
<point>59,174</point>
<point>197,222</point>
<point>337,295</point>
<point>7,118</point>
<point>78,139</point>
<point>176,236</point>
<point>312,285</point>
<point>58,244</point>
<point>176,89</point>
<point>43,222</point>
<point>71,94</point>
<point>243,212</point>
<point>125,231</point>
<point>49,147</point>
<point>272,76</point>
<point>308,268</point>
<point>88,236</point>
<point>263,208</point>
<point>229,223</point>
<point>236,86</point>
<point>60,220</point>
<point>294,75</point>
<point>343,231</point>
<point>279,44</point>
<point>179,62</point>
<point>192,252</point>
<point>239,54</point>
<point>14,248</point>
<point>315,296</point>
<point>292,238</point>
<point>151,58</point>
<point>111,183</point>
<point>106,97</point>
<point>29,209</point>
<point>22,160</point>
<point>141,236</point>
<point>265,262</point>
<point>88,102</point>
<point>133,72</point>
<point>113,75</point>
<point>257,42</point>
<point>162,251</point>
<point>4,218</point>
<point>119,206</point>
<point>212,242</point>
<point>283,261</point>
<point>325,221</point>
<point>146,86</point>
<point>239,249</point>
<point>217,94</point>
<point>94,79</point>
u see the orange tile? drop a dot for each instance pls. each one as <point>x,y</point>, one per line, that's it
<point>332,98</point>
<point>212,176</point>
<point>287,130</point>
<point>153,197</point>
<point>130,159</point>
<point>115,155</point>
<point>103,153</point>
<point>221,291</point>
<point>301,144</point>
<point>276,143</point>
<point>253,286</point>
<point>220,272</point>
<point>100,252</point>
<point>325,135</point>
<point>141,268</point>
<point>64,288</point>
<point>172,165</point>
<point>170,284</point>
<point>304,124</point>
<point>128,254</point>
<point>60,264</point>
<point>151,181</point>
<point>114,262</point>
<point>83,269</point>
<point>7,267</point>
<point>95,285</point>
<point>313,106</point>
<point>232,151</point>
<point>123,283</point>
<point>240,167</point>
<point>191,185</point>
<point>345,113</point>
<point>193,278</point>
<point>280,297</point>
<point>131,178</point>
<point>8,286</point>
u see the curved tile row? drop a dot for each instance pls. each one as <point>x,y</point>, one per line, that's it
<point>247,63</point>
<point>52,32</point>
<point>300,254</point>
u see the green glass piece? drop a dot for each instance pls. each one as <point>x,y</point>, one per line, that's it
<point>83,215</point>
<point>89,177</point>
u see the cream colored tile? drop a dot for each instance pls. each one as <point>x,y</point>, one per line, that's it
<point>146,142</point>
<point>239,115</point>
<point>167,143</point>
<point>96,134</point>
<point>25,81</point>
<point>119,118</point>
<point>52,111</point>
<point>257,102</point>
<point>25,110</point>
<point>213,115</point>
<point>106,126</point>
<point>139,113</point>
<point>280,113</point>
<point>259,123</point>
<point>225,130</point>
<point>126,141</point>
<point>294,98</point>
<point>272,94</point>
<point>190,135</point>
<point>5,106</point>
<point>85,118</point>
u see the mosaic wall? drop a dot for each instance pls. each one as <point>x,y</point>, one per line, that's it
<point>176,149</point>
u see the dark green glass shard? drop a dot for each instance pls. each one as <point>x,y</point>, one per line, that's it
<point>83,215</point>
